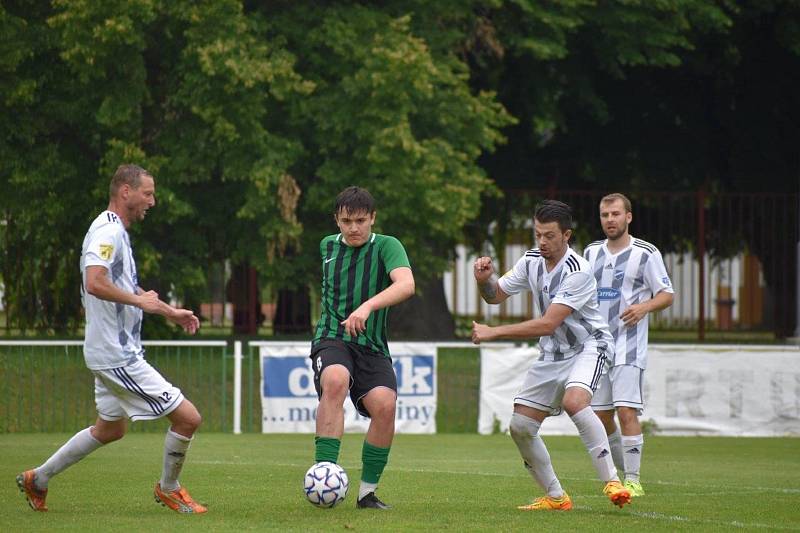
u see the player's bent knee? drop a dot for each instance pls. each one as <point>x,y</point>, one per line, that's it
<point>335,389</point>
<point>107,434</point>
<point>383,410</point>
<point>335,382</point>
<point>516,428</point>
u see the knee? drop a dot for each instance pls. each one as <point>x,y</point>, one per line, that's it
<point>520,427</point>
<point>193,420</point>
<point>336,388</point>
<point>108,434</point>
<point>186,419</point>
<point>572,406</point>
<point>383,410</point>
<point>575,400</point>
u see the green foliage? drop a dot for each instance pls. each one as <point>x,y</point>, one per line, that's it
<point>252,116</point>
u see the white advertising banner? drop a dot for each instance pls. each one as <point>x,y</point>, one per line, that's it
<point>688,390</point>
<point>289,400</point>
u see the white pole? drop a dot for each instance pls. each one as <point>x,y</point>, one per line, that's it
<point>237,387</point>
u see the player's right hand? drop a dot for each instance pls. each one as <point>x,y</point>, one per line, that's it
<point>149,302</point>
<point>483,269</point>
<point>186,319</point>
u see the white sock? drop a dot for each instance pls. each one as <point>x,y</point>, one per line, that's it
<point>615,441</point>
<point>594,437</point>
<point>365,488</point>
<point>79,446</point>
<point>633,444</point>
<point>175,447</point>
<point>525,433</point>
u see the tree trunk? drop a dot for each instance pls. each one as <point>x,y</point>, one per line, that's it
<point>293,312</point>
<point>244,294</point>
<point>425,316</point>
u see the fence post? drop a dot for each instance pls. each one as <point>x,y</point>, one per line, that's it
<point>797,275</point>
<point>701,258</point>
<point>237,387</point>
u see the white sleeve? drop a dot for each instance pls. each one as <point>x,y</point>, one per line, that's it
<point>575,290</point>
<point>655,275</point>
<point>104,245</point>
<point>516,279</point>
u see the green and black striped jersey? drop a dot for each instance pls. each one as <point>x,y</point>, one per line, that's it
<point>350,277</point>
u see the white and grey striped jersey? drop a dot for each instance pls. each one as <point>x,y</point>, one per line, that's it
<point>113,330</point>
<point>631,276</point>
<point>570,283</point>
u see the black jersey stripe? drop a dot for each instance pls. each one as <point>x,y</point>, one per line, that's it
<point>337,291</point>
<point>380,315</point>
<point>367,274</point>
<point>644,244</point>
<point>323,327</point>
<point>350,303</point>
<point>573,264</point>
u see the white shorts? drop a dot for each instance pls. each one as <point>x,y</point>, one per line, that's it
<point>621,387</point>
<point>546,381</point>
<point>137,391</point>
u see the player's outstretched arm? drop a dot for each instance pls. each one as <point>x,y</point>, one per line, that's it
<point>98,285</point>
<point>485,275</point>
<point>538,327</point>
<point>402,288</point>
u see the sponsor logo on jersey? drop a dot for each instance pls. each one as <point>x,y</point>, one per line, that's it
<point>106,251</point>
<point>665,281</point>
<point>607,293</point>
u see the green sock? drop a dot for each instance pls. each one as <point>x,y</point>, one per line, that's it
<point>326,449</point>
<point>374,460</point>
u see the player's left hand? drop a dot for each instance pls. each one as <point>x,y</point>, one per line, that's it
<point>481,333</point>
<point>633,314</point>
<point>356,323</point>
<point>187,320</point>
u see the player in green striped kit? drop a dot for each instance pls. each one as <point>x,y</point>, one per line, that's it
<point>363,274</point>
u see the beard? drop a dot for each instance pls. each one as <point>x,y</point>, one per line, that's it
<point>617,232</point>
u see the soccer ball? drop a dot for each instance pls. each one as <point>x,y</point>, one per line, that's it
<point>326,484</point>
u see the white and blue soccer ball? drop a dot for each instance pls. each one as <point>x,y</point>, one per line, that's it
<point>326,484</point>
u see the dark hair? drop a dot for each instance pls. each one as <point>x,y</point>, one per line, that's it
<point>354,200</point>
<point>130,175</point>
<point>554,211</point>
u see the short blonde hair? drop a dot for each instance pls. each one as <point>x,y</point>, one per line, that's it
<point>127,174</point>
<point>614,196</point>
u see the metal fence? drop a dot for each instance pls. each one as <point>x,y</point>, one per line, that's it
<point>732,257</point>
<point>45,386</point>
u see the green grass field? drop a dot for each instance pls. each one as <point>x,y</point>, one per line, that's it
<point>456,482</point>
